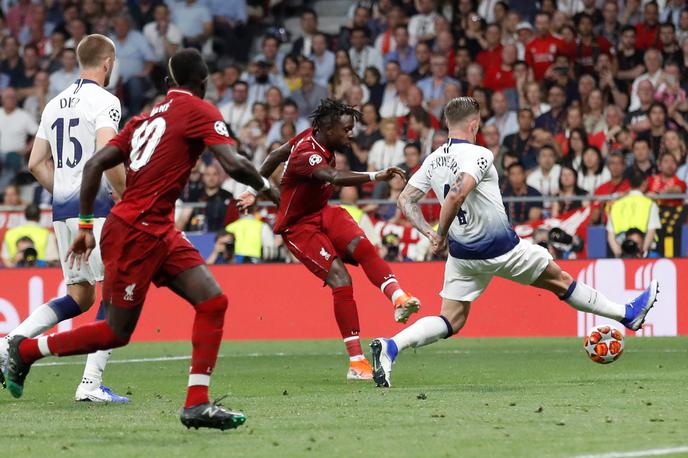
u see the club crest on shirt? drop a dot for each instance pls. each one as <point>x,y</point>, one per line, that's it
<point>221,128</point>
<point>315,159</point>
<point>325,254</point>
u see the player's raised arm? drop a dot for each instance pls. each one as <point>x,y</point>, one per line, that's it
<point>41,163</point>
<point>242,170</point>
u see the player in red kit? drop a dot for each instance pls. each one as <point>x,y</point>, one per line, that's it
<point>140,244</point>
<point>324,236</point>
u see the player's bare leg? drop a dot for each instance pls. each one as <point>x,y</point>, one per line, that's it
<point>586,299</point>
<point>200,289</point>
<point>425,331</point>
<point>380,274</point>
<point>346,314</point>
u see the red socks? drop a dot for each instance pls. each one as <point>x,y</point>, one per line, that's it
<point>206,338</point>
<point>377,270</point>
<point>346,315</point>
<point>80,341</point>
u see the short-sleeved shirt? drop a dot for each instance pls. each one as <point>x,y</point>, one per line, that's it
<point>160,149</point>
<point>519,211</point>
<point>481,229</point>
<point>132,54</point>
<point>302,193</point>
<point>69,123</point>
<point>657,184</point>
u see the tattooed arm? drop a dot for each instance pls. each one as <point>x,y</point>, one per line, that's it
<point>457,194</point>
<point>408,204</point>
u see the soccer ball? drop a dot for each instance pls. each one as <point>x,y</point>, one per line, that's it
<point>604,344</point>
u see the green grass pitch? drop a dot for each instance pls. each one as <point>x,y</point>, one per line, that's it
<point>462,397</point>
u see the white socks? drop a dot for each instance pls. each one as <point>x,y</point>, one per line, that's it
<point>42,319</point>
<point>425,331</point>
<point>587,299</point>
<point>95,365</point>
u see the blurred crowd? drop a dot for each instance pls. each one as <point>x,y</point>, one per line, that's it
<point>579,98</point>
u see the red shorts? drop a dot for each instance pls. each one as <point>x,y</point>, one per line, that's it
<point>133,259</point>
<point>317,240</point>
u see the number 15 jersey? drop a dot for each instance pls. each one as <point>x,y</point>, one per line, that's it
<point>481,229</point>
<point>69,123</point>
<point>160,149</point>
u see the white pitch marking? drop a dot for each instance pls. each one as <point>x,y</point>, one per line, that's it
<point>639,453</point>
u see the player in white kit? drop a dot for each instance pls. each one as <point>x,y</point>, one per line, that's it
<point>482,244</point>
<point>74,125</point>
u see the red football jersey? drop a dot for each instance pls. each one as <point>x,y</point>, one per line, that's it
<point>540,54</point>
<point>657,184</point>
<point>301,193</point>
<point>160,149</point>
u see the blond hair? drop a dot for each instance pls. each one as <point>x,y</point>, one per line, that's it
<point>93,49</point>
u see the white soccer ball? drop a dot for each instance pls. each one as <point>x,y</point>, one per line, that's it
<point>604,344</point>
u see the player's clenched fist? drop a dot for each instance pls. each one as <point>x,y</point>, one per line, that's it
<point>389,173</point>
<point>81,248</point>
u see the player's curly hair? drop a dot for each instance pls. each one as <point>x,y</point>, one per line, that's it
<point>329,111</point>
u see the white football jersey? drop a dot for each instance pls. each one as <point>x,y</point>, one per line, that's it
<point>69,122</point>
<point>481,229</point>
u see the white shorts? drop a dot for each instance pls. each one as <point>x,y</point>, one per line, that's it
<point>466,279</point>
<point>92,272</point>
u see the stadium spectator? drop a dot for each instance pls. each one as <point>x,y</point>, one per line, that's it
<point>420,123</point>
<point>521,212</point>
<point>610,27</point>
<point>505,119</point>
<point>20,240</point>
<point>290,115</point>
<point>136,60</point>
<point>363,55</point>
<point>433,86</point>
<point>360,19</point>
<point>164,37</point>
<point>657,115</point>
<point>593,172</point>
<point>633,211</point>
<point>673,143</point>
<point>421,26</point>
<point>237,112</point>
<point>666,181</point>
<point>519,142</point>
<point>348,196</point>
<point>568,187</point>
<point>542,49</point>
<point>16,129</point>
<point>423,55</point>
<point>545,178</point>
<point>11,196</point>
<point>653,64</point>
<point>66,75</point>
<point>403,51</point>
<point>389,151</point>
<point>271,54</point>
<point>290,73</point>
<point>617,186</point>
<point>216,212</point>
<point>637,120</point>
<point>344,78</point>
<point>647,30</point>
<point>642,159</point>
<point>308,96</point>
<point>223,250</point>
<point>386,41</point>
<point>38,95</point>
<point>491,141</point>
<point>323,59</point>
<point>309,27</point>
<point>397,105</point>
<point>194,21</point>
<point>253,239</point>
<point>575,147</point>
<point>412,159</point>
<point>553,120</point>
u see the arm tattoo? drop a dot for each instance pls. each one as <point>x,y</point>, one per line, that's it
<point>458,184</point>
<point>409,206</point>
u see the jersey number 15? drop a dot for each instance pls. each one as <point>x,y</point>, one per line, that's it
<point>461,216</point>
<point>59,126</point>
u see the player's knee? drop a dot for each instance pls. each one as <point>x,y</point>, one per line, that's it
<point>83,295</point>
<point>117,337</point>
<point>338,276</point>
<point>217,304</point>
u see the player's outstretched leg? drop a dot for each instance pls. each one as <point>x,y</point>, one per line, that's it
<point>346,314</point>
<point>91,387</point>
<point>423,332</point>
<point>198,286</point>
<point>380,274</point>
<point>101,335</point>
<point>43,318</point>
<point>587,299</point>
